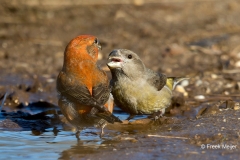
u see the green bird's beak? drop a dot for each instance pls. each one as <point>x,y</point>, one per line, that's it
<point>116,60</point>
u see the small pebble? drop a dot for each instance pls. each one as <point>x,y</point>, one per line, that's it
<point>237,64</point>
<point>181,89</point>
<point>226,93</point>
<point>199,97</point>
<point>198,82</point>
<point>214,76</point>
<point>236,107</point>
<point>185,83</point>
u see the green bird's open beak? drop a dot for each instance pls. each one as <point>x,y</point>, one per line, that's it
<point>115,60</point>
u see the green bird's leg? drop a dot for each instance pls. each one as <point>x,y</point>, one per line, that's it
<point>77,134</point>
<point>156,115</point>
<point>131,116</point>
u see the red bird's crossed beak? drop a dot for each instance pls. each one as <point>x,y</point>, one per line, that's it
<point>99,47</point>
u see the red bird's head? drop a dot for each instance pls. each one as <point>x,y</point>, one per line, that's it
<point>83,47</point>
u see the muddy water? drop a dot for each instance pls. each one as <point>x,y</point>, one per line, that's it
<point>23,144</point>
<point>182,140</point>
<point>64,145</point>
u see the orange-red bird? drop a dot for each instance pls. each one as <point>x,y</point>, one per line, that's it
<point>83,87</point>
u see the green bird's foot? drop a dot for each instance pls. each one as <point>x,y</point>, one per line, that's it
<point>131,116</point>
<point>77,134</point>
<point>156,115</point>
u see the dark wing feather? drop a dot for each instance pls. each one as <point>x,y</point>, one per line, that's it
<point>101,93</point>
<point>158,80</point>
<point>74,91</point>
<point>82,95</point>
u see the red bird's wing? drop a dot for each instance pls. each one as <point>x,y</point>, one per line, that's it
<point>77,92</point>
<point>101,93</point>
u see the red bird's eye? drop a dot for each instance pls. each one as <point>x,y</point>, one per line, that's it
<point>96,41</point>
<point>129,56</point>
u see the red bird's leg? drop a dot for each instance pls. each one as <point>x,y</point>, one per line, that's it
<point>102,123</point>
<point>94,111</point>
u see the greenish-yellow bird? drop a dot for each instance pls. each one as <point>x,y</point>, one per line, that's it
<point>136,89</point>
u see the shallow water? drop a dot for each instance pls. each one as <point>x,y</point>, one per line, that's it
<point>23,144</point>
<point>49,145</point>
<point>32,139</point>
<point>175,141</point>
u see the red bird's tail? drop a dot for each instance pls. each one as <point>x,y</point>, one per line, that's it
<point>107,115</point>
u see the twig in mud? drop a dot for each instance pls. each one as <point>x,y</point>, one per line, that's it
<point>4,99</point>
<point>167,136</point>
<point>231,71</point>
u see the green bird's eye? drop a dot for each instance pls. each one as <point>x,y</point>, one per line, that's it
<point>129,56</point>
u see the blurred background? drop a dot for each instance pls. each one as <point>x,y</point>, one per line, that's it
<point>199,39</point>
<point>193,38</point>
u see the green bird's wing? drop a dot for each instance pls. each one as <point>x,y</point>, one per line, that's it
<point>158,80</point>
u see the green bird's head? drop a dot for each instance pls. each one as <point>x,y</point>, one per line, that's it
<point>125,62</point>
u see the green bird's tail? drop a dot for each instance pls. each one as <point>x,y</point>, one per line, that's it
<point>173,81</point>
